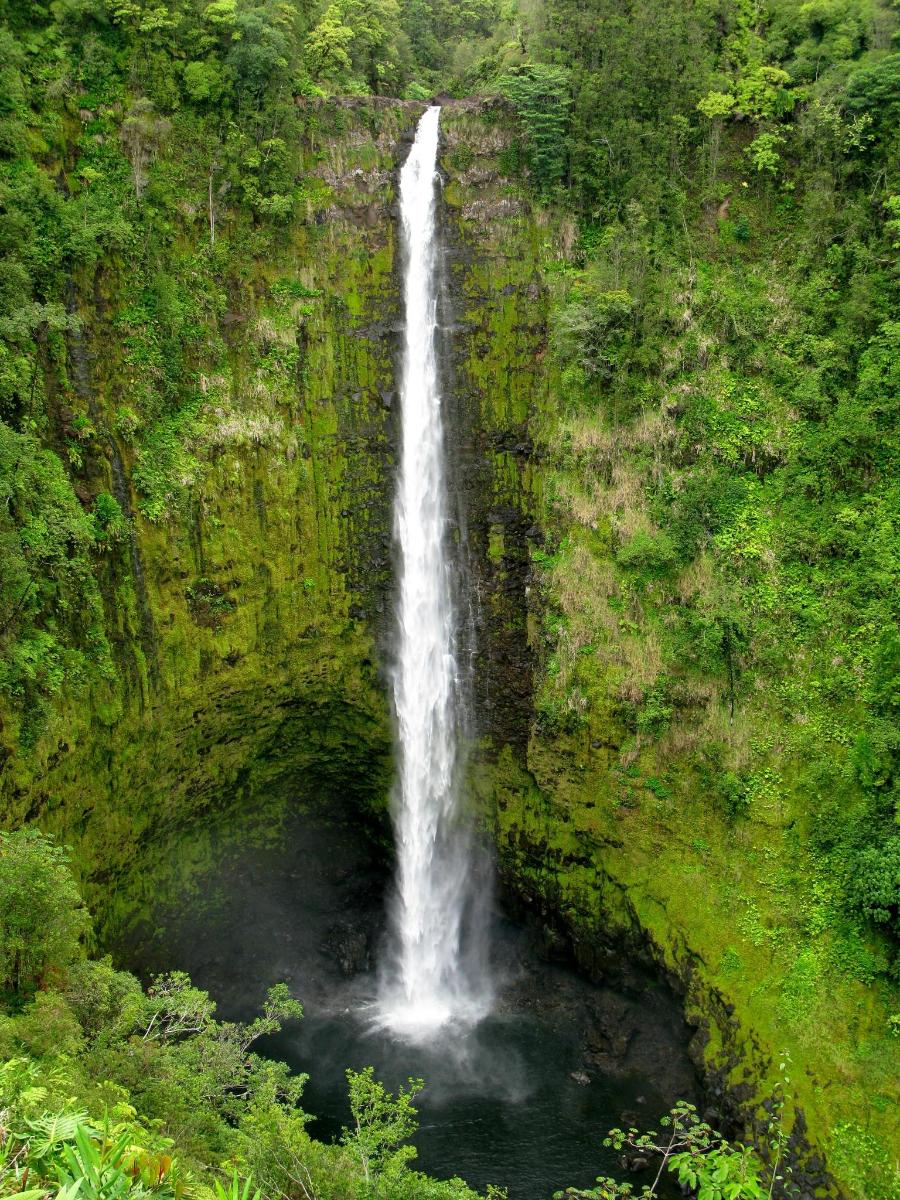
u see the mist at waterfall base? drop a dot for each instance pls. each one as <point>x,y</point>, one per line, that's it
<point>522,1100</point>
<point>506,1102</point>
<point>435,970</point>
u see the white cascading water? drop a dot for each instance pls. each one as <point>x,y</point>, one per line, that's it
<point>433,977</point>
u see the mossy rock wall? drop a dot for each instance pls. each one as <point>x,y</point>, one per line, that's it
<point>249,612</point>
<point>250,616</point>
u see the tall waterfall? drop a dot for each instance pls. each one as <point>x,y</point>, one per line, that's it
<point>436,969</point>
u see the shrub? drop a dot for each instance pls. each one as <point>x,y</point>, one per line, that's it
<point>875,883</point>
<point>592,329</point>
<point>41,914</point>
<point>651,554</point>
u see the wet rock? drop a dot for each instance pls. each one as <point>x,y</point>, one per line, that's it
<point>348,945</point>
<point>608,1037</point>
<point>552,946</point>
<point>634,1162</point>
<point>581,1077</point>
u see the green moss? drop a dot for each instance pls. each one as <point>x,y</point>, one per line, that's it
<point>241,620</point>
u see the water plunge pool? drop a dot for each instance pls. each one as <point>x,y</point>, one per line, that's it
<point>522,1101</point>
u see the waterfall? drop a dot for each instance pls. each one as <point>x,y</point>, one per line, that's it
<point>436,970</point>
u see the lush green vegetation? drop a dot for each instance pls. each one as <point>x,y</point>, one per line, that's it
<point>726,442</point>
<point>167,137</point>
<point>718,578</point>
<point>109,1090</point>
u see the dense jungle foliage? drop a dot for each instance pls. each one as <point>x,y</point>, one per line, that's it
<point>720,574</point>
<point>727,454</point>
<point>731,355</point>
<point>721,578</point>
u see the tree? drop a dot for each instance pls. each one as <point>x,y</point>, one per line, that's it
<point>715,106</point>
<point>593,327</point>
<point>41,915</point>
<point>358,45</point>
<point>327,47</point>
<point>875,883</point>
<point>876,90</point>
<point>763,94</point>
<point>142,132</point>
<point>691,1149</point>
<point>264,47</point>
<point>381,1123</point>
<point>763,152</point>
<point>541,95</point>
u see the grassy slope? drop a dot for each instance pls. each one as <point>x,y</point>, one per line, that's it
<point>708,793</point>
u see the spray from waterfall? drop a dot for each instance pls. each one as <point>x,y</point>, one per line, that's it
<point>436,970</point>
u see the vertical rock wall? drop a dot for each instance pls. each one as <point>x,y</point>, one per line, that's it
<point>250,626</point>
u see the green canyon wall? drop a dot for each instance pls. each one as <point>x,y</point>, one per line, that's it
<point>247,611</point>
<point>246,605</point>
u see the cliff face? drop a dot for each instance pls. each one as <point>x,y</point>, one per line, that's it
<point>241,617</point>
<point>248,608</point>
